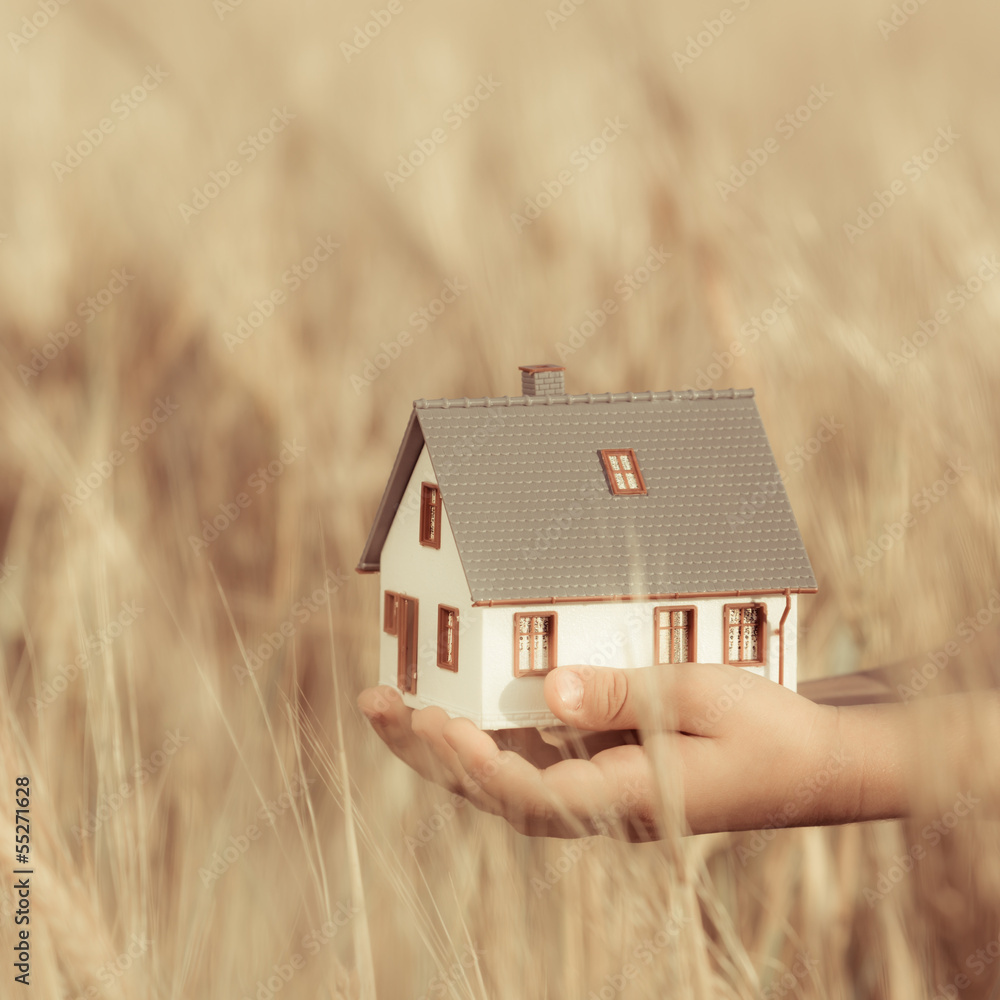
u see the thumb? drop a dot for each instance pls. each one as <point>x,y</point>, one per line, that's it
<point>599,698</point>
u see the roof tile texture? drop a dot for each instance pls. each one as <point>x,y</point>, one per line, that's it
<point>526,494</point>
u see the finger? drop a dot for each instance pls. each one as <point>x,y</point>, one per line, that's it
<point>572,798</point>
<point>375,702</point>
<point>584,743</point>
<point>597,698</point>
<point>428,725</point>
<point>530,744</point>
<point>664,698</point>
<point>391,719</point>
<point>483,760</point>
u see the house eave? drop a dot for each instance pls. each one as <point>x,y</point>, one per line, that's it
<point>676,596</point>
<point>406,459</point>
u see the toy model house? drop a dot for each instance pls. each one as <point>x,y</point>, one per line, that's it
<point>624,529</point>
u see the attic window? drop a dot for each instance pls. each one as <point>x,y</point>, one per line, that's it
<point>623,471</point>
<point>430,515</point>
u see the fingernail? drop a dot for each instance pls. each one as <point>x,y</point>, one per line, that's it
<point>569,687</point>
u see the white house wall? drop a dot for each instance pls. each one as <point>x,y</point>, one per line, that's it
<point>612,633</point>
<point>484,689</point>
<point>433,576</point>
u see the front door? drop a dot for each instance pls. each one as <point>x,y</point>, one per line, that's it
<point>406,637</point>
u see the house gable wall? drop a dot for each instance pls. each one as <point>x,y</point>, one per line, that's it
<point>433,576</point>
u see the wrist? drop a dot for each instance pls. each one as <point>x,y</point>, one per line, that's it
<point>873,781</point>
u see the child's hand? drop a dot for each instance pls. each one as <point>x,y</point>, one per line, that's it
<point>747,752</point>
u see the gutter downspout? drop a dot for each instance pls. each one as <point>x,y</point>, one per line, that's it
<point>781,637</point>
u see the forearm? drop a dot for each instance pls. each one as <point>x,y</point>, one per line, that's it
<point>877,747</point>
<point>920,756</point>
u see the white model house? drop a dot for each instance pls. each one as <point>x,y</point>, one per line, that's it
<point>623,529</point>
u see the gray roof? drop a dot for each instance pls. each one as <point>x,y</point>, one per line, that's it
<point>533,515</point>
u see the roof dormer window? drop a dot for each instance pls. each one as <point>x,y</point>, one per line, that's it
<point>623,471</point>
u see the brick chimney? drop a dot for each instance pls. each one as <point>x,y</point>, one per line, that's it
<point>542,380</point>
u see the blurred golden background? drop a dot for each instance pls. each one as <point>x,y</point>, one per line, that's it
<point>219,225</point>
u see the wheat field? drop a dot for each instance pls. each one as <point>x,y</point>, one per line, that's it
<point>225,230</point>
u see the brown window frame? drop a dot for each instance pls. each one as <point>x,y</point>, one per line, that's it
<point>430,538</point>
<point>390,612</point>
<point>606,455</point>
<point>692,632</point>
<point>442,644</point>
<point>533,671</point>
<point>407,647</point>
<point>762,636</point>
